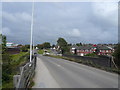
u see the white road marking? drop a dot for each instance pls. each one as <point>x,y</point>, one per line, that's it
<point>58,65</point>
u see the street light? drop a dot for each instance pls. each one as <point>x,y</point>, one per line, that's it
<point>31,39</point>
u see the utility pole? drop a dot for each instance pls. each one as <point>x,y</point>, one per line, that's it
<point>31,39</point>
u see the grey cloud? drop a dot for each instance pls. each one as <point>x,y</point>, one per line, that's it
<point>53,20</point>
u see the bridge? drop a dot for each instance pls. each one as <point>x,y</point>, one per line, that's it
<point>50,72</point>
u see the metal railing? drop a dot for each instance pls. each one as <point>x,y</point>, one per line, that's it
<point>26,73</point>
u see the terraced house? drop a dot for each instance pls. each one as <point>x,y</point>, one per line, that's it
<point>87,49</point>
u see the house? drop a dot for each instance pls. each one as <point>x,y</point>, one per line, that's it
<point>73,49</point>
<point>11,45</point>
<point>89,48</point>
<point>56,50</point>
<point>13,48</point>
<point>86,49</point>
<point>105,50</point>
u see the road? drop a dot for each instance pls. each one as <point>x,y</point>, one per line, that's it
<point>65,74</point>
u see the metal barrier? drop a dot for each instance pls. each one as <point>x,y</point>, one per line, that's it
<point>26,73</point>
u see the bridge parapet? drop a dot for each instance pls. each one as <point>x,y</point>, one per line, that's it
<point>26,73</point>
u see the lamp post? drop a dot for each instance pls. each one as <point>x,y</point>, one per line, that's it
<point>31,36</point>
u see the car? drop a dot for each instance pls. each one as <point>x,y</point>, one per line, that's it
<point>47,53</point>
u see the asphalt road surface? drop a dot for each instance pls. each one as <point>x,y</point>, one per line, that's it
<point>67,74</point>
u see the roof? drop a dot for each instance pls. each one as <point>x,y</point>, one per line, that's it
<point>88,47</point>
<point>74,46</point>
<point>85,47</point>
<point>9,43</point>
<point>103,48</point>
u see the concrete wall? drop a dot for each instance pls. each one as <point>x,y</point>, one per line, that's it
<point>102,61</point>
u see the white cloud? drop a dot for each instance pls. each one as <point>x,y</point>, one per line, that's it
<point>16,17</point>
<point>74,33</point>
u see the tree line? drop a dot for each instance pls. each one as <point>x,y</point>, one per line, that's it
<point>45,45</point>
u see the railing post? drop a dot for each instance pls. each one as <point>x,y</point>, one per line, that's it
<point>15,80</point>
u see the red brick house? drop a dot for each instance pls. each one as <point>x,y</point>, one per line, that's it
<point>87,49</point>
<point>105,50</point>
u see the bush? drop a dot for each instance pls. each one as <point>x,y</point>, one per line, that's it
<point>6,68</point>
<point>10,67</point>
<point>92,55</point>
<point>24,49</point>
<point>40,51</point>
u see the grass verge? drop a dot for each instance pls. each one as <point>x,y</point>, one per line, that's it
<point>40,51</point>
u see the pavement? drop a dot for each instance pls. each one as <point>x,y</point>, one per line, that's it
<point>60,73</point>
<point>43,78</point>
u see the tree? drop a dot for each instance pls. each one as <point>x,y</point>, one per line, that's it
<point>61,42</point>
<point>40,46</point>
<point>25,48</point>
<point>46,45</point>
<point>3,42</point>
<point>53,46</point>
<point>6,66</point>
<point>6,60</point>
<point>63,45</point>
<point>79,44</point>
<point>70,44</point>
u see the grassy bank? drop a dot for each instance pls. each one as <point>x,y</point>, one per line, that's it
<point>11,64</point>
<point>19,59</point>
<point>89,63</point>
<point>40,51</point>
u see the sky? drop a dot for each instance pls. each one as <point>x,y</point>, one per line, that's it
<point>86,22</point>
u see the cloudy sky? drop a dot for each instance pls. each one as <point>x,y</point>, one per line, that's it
<point>86,22</point>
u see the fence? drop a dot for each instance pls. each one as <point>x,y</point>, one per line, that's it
<point>26,73</point>
<point>101,61</point>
